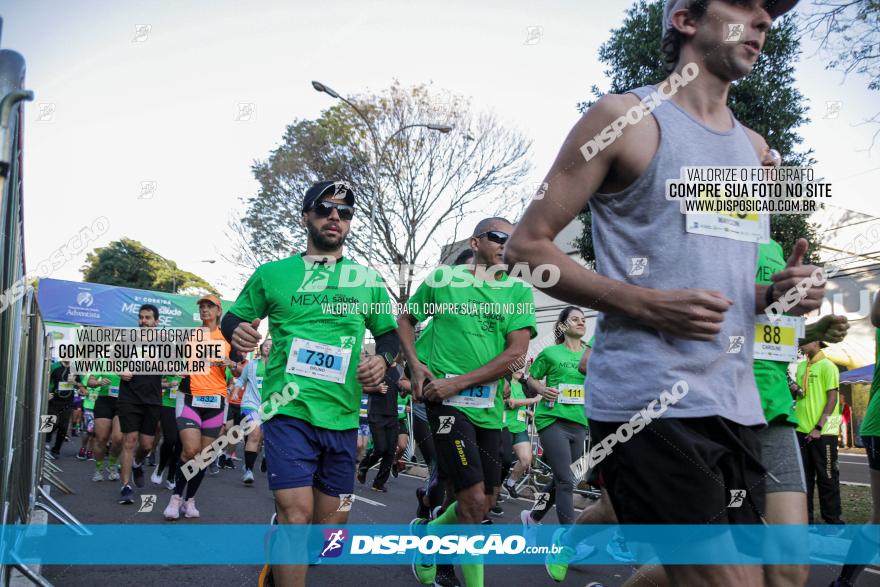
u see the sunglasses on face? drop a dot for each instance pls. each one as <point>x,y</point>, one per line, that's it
<point>496,236</point>
<point>324,209</point>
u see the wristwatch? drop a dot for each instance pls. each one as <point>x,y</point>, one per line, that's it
<point>818,428</point>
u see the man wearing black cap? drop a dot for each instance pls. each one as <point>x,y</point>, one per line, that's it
<point>319,305</point>
<point>678,318</point>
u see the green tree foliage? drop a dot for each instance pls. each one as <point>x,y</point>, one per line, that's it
<point>766,101</point>
<point>128,263</point>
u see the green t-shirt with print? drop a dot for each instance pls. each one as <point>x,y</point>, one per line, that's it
<point>771,377</point>
<point>516,420</point>
<point>111,390</point>
<point>169,394</point>
<point>823,376</point>
<point>402,402</point>
<point>471,319</point>
<point>871,423</point>
<point>559,366</point>
<point>92,394</point>
<point>318,314</point>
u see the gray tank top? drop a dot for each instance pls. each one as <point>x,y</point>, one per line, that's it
<point>632,364</point>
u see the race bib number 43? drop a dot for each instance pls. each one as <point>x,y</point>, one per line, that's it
<point>318,361</point>
<point>778,340</point>
<point>477,396</point>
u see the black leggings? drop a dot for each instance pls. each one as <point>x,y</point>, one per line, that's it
<point>507,458</point>
<point>169,453</point>
<point>434,486</point>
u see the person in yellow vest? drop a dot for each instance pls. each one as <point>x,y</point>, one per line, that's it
<point>818,415</point>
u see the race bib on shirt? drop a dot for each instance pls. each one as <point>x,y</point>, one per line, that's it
<point>114,391</point>
<point>571,393</point>
<point>206,401</point>
<point>480,396</point>
<point>318,360</point>
<point>777,340</point>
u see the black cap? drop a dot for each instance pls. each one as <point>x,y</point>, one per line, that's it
<point>322,188</point>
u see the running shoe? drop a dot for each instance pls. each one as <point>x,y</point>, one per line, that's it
<point>265,579</point>
<point>557,564</point>
<point>422,511</point>
<point>81,455</point>
<point>138,474</point>
<point>423,566</point>
<point>113,473</point>
<point>156,477</point>
<point>362,476</point>
<point>90,455</point>
<point>221,462</point>
<point>230,463</point>
<point>395,470</point>
<point>126,495</point>
<point>496,512</point>
<point>379,488</point>
<point>213,468</point>
<point>151,459</point>
<point>172,512</point>
<point>189,508</point>
<point>500,498</point>
<point>511,490</point>
<point>248,477</point>
<point>525,517</point>
<point>619,550</point>
<point>98,476</point>
<point>445,577</point>
<point>169,484</point>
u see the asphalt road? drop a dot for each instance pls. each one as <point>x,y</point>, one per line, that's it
<point>854,468</point>
<point>224,499</point>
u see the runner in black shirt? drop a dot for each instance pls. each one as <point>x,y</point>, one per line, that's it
<point>138,407</point>
<point>63,386</point>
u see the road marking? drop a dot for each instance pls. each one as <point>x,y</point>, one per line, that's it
<point>854,483</point>
<point>369,501</point>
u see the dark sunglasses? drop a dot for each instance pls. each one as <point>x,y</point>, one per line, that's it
<point>496,236</point>
<point>324,209</point>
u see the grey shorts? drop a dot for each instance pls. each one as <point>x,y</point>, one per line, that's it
<point>781,456</point>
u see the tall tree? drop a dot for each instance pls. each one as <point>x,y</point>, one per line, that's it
<point>417,184</point>
<point>766,101</point>
<point>128,263</point>
<point>850,31</point>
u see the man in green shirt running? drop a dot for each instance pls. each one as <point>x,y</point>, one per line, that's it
<point>481,325</point>
<point>106,424</point>
<point>818,415</point>
<point>318,310</point>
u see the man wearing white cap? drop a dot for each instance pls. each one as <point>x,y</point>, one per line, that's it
<point>677,318</point>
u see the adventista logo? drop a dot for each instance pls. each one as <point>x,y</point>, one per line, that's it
<point>84,298</point>
<point>334,541</point>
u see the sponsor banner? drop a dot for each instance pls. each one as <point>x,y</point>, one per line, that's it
<point>358,544</point>
<point>107,305</point>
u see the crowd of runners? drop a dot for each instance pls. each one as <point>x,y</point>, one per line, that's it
<point>465,389</point>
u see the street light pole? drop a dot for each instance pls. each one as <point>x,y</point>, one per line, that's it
<point>379,152</point>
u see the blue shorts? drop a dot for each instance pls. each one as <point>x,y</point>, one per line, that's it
<point>301,455</point>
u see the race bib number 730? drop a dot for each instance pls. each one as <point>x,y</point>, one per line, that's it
<point>318,360</point>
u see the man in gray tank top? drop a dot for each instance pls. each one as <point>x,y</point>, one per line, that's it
<point>677,303</point>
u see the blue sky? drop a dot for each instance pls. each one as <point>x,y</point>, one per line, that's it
<point>120,108</point>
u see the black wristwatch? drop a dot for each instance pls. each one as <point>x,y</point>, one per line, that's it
<point>818,428</point>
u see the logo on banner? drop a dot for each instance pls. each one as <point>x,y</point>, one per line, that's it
<point>333,542</point>
<point>84,298</point>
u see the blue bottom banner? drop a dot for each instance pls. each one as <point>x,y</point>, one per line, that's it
<point>356,544</point>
